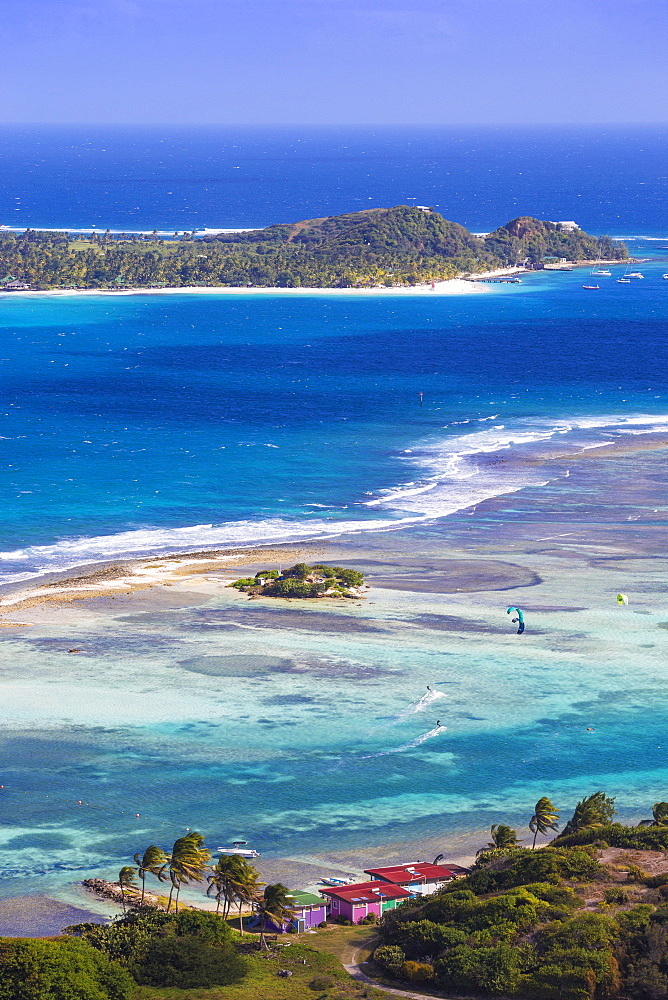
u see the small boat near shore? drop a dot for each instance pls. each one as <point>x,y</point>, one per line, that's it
<point>591,288</point>
<point>240,849</point>
<point>635,274</point>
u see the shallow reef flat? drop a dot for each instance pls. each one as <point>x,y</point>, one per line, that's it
<point>306,726</point>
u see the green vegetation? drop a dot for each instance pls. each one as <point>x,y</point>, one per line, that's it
<point>303,580</point>
<point>65,969</point>
<point>592,812</point>
<point>186,949</point>
<point>233,880</point>
<point>310,970</point>
<point>384,246</point>
<point>554,923</point>
<point>544,818</point>
<point>502,836</point>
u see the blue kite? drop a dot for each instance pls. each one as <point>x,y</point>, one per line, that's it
<point>519,621</point>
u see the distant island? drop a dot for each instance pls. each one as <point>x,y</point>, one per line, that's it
<point>378,247</point>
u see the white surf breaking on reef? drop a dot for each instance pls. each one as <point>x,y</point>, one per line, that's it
<point>454,474</point>
<point>504,457</point>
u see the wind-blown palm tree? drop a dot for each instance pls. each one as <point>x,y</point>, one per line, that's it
<point>187,863</point>
<point>151,862</point>
<point>502,836</point>
<point>591,812</point>
<point>246,888</point>
<point>126,880</point>
<point>659,815</point>
<point>273,907</point>
<point>223,881</point>
<point>544,818</point>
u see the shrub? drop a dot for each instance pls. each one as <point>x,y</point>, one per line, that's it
<point>69,969</point>
<point>247,581</point>
<point>209,928</point>
<point>524,866</point>
<point>292,588</point>
<point>616,835</point>
<point>267,574</point>
<point>343,921</point>
<point>370,918</point>
<point>495,969</point>
<point>325,571</point>
<point>321,983</point>
<point>391,958</point>
<point>323,923</point>
<point>186,962</point>
<point>299,571</point>
<point>424,937</point>
<point>636,874</point>
<point>417,972</point>
<point>615,895</point>
<point>349,577</point>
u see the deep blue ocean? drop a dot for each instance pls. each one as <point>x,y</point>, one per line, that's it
<point>610,179</point>
<point>141,424</point>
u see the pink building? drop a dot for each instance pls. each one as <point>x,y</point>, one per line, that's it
<point>354,902</point>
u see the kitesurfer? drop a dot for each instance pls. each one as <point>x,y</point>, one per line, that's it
<point>438,722</point>
<point>519,621</point>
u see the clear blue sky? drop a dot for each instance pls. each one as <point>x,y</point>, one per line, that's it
<point>333,61</point>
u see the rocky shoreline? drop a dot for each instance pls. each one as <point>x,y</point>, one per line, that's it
<point>112,890</point>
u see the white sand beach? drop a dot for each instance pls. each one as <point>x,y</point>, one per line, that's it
<point>455,286</point>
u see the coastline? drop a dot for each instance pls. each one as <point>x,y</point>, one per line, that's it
<point>552,573</point>
<point>460,285</point>
<point>454,286</point>
<point>188,569</point>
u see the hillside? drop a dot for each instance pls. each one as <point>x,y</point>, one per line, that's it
<point>385,246</point>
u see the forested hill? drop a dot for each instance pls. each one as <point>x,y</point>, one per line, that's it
<point>399,230</point>
<point>386,246</point>
<point>534,241</point>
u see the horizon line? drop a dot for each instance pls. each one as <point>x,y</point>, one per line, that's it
<point>343,124</point>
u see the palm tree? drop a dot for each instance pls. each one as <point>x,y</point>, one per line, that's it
<point>544,818</point>
<point>246,888</point>
<point>659,814</point>
<point>273,907</point>
<point>187,863</point>
<point>502,836</point>
<point>151,862</point>
<point>591,812</point>
<point>223,881</point>
<point>126,880</point>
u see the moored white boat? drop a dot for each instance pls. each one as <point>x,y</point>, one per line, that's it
<point>240,849</point>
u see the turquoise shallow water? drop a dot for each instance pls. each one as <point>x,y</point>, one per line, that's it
<point>300,728</point>
<point>309,729</point>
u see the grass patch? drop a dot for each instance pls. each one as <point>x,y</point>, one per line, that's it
<point>348,944</point>
<point>264,983</point>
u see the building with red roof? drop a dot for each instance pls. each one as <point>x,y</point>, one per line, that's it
<point>354,902</point>
<point>417,876</point>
